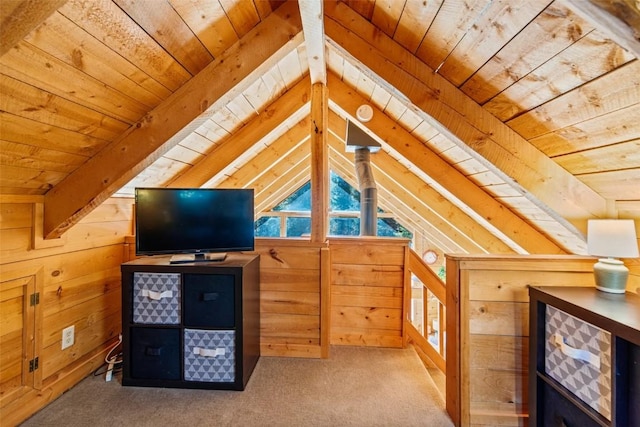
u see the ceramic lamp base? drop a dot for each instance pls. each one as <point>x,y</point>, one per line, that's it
<point>611,275</point>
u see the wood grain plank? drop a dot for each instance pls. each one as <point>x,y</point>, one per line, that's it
<point>285,257</point>
<point>618,89</point>
<point>366,318</point>
<point>290,280</point>
<point>41,136</point>
<point>615,185</point>
<point>498,318</point>
<point>162,22</point>
<point>19,98</point>
<point>608,129</point>
<point>556,28</point>
<point>386,15</point>
<point>372,296</point>
<point>366,337</point>
<point>289,326</point>
<point>362,275</point>
<point>451,23</point>
<point>34,67</point>
<point>497,25</point>
<point>60,37</point>
<point>130,41</point>
<point>27,156</point>
<point>603,159</point>
<point>242,15</point>
<point>590,57</point>
<point>371,258</point>
<point>209,23</point>
<point>414,21</point>
<point>307,303</point>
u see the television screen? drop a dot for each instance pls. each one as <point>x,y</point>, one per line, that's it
<point>193,221</point>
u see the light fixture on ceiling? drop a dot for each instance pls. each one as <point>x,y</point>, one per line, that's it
<point>611,238</point>
<point>364,113</point>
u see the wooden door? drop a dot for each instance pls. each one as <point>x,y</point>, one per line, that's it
<point>19,336</point>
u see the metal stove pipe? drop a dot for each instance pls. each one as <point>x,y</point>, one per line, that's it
<point>368,193</point>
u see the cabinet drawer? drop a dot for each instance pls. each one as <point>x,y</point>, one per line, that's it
<point>578,356</point>
<point>156,298</point>
<point>209,301</point>
<point>209,356</point>
<point>155,353</point>
<point>559,412</point>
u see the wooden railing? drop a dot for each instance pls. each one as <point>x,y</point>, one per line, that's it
<point>425,324</point>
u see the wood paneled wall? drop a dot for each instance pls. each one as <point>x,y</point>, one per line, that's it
<point>77,279</point>
<point>488,331</point>
<point>293,298</point>
<point>368,279</point>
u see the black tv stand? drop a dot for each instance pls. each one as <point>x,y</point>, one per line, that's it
<point>191,325</point>
<point>199,257</point>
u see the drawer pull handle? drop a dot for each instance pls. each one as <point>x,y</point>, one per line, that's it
<point>209,296</point>
<point>576,353</point>
<point>156,296</point>
<point>153,351</point>
<point>206,352</point>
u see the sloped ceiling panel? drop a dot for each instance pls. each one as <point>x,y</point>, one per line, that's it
<point>463,102</point>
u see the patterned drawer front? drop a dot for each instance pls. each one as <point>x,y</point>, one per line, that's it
<point>209,356</point>
<point>156,298</point>
<point>578,355</point>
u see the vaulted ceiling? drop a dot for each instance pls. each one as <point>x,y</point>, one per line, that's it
<point>504,125</point>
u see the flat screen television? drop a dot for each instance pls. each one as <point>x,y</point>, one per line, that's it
<point>196,224</point>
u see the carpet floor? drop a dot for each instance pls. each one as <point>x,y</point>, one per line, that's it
<point>356,386</point>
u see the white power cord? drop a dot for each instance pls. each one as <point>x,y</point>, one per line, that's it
<point>111,360</point>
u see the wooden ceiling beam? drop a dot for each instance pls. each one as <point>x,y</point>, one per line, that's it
<point>410,190</point>
<point>439,212</point>
<point>280,154</point>
<point>287,181</point>
<point>288,104</point>
<point>319,162</point>
<point>19,17</point>
<point>312,13</point>
<point>519,163</point>
<point>430,163</point>
<point>172,120</point>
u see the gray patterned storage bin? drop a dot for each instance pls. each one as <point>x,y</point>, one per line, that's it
<point>156,298</point>
<point>209,356</point>
<point>578,355</point>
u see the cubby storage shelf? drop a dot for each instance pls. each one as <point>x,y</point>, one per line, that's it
<point>192,325</point>
<point>584,357</point>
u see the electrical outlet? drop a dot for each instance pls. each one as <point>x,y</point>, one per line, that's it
<point>68,336</point>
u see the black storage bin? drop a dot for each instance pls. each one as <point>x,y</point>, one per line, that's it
<point>560,412</point>
<point>209,300</point>
<point>155,353</point>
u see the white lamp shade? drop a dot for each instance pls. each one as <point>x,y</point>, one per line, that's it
<point>614,238</point>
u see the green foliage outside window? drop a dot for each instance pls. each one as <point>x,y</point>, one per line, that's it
<point>343,198</point>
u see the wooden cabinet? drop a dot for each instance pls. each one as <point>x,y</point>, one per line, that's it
<point>584,357</point>
<point>194,325</point>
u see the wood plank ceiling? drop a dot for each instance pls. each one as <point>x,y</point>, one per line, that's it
<point>504,124</point>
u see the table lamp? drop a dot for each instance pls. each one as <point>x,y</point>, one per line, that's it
<point>611,238</point>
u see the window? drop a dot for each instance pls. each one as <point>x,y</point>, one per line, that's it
<point>292,216</point>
